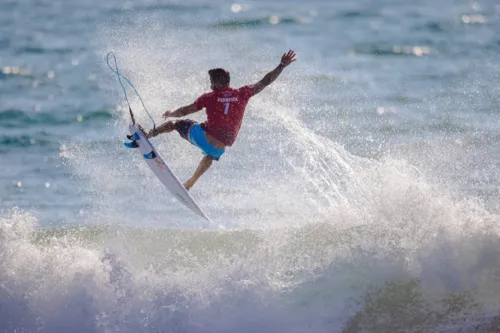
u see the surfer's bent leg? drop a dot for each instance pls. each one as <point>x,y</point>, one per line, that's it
<point>183,127</point>
<point>205,164</point>
<point>198,137</point>
<point>192,132</point>
<point>166,127</point>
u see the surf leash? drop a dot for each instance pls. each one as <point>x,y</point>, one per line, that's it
<point>120,77</point>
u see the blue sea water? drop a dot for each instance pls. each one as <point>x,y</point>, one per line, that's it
<point>361,195</point>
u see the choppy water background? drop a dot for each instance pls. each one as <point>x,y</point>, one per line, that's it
<point>361,196</point>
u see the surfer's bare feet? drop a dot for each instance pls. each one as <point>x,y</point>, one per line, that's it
<point>152,133</point>
<point>166,127</point>
<point>205,163</point>
<point>188,184</point>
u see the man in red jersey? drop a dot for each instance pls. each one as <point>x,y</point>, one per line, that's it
<point>225,108</point>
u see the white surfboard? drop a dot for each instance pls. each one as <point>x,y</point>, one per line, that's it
<point>164,173</point>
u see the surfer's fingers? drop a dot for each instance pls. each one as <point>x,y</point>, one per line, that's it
<point>166,115</point>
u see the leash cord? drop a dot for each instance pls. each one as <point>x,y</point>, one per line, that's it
<point>120,77</point>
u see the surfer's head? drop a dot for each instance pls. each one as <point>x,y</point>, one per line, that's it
<point>219,78</point>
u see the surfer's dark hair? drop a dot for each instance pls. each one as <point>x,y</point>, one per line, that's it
<point>220,76</point>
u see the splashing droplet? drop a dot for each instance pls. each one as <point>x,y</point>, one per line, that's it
<point>274,20</point>
<point>236,8</point>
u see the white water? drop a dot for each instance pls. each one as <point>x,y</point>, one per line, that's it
<point>332,227</point>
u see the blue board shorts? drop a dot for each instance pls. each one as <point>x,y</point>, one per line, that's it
<point>192,132</point>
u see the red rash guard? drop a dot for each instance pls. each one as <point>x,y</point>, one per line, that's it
<point>225,109</point>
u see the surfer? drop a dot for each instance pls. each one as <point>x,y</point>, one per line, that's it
<point>225,107</point>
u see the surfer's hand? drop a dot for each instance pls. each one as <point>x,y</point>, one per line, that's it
<point>167,114</point>
<point>288,58</point>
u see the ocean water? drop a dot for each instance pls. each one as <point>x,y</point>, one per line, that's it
<point>362,194</point>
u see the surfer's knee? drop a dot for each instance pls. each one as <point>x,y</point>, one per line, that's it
<point>208,160</point>
<point>183,126</point>
<point>212,158</point>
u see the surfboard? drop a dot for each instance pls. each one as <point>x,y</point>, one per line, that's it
<point>163,171</point>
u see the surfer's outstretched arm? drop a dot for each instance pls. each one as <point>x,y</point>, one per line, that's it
<point>270,77</point>
<point>205,164</point>
<point>169,126</point>
<point>181,112</point>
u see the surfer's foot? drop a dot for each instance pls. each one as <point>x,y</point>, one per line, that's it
<point>188,184</point>
<point>169,126</point>
<point>152,133</point>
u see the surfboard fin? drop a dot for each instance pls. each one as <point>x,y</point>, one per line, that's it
<point>133,137</point>
<point>132,144</point>
<point>150,156</point>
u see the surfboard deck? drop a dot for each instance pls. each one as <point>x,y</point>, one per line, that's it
<point>163,171</point>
